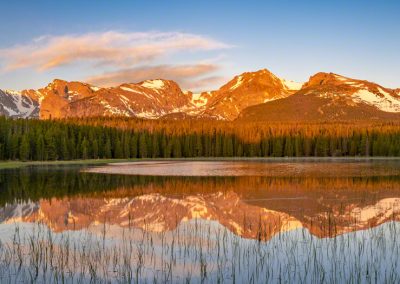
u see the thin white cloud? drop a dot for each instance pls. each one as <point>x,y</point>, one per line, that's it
<point>206,84</point>
<point>195,76</point>
<point>115,49</point>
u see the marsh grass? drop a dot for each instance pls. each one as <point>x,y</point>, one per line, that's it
<point>198,251</point>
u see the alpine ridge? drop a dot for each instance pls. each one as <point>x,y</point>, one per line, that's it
<point>327,97</point>
<point>251,96</point>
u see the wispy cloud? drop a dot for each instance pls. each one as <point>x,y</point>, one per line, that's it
<point>196,76</point>
<point>206,84</point>
<point>115,49</point>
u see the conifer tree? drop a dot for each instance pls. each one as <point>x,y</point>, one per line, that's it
<point>143,146</point>
<point>24,148</point>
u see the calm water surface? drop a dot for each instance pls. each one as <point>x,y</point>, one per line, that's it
<point>202,221</point>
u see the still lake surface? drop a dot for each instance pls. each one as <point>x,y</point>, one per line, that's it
<point>254,221</point>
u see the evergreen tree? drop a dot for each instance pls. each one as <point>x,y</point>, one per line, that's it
<point>107,149</point>
<point>95,149</point>
<point>50,146</point>
<point>277,148</point>
<point>84,149</point>
<point>143,146</point>
<point>24,148</point>
<point>64,149</point>
<point>156,147</point>
<point>118,153</point>
<point>176,148</point>
<point>39,148</point>
<point>134,146</point>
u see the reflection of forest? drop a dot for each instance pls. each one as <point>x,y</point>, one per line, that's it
<point>253,207</point>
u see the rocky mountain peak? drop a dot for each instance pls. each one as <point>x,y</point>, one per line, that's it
<point>157,98</point>
<point>247,89</point>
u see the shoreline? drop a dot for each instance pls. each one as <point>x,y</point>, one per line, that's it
<point>20,164</point>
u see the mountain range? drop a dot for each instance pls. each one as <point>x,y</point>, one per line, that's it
<point>251,96</point>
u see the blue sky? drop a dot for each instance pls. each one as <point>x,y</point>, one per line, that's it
<point>293,39</point>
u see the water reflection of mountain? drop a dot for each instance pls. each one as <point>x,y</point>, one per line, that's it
<point>252,207</point>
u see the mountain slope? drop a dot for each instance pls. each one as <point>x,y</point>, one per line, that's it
<point>154,98</point>
<point>328,96</point>
<point>148,99</point>
<point>18,105</point>
<point>151,98</point>
<point>250,96</point>
<point>247,89</point>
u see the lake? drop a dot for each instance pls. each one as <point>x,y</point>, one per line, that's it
<point>242,221</point>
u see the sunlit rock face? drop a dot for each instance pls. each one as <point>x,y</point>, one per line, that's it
<point>148,99</point>
<point>250,96</point>
<point>151,99</point>
<point>329,96</point>
<point>245,90</point>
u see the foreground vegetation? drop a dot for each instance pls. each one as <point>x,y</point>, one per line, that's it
<point>198,252</point>
<point>119,138</point>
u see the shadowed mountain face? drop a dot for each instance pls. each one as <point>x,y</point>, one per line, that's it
<point>255,207</point>
<point>18,105</point>
<point>251,96</point>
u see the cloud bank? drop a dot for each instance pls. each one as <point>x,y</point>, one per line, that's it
<point>108,48</point>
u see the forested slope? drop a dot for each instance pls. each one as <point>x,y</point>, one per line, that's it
<point>27,139</point>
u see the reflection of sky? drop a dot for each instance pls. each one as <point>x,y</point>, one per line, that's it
<point>293,39</point>
<point>288,256</point>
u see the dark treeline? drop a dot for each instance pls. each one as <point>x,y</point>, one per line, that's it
<point>46,182</point>
<point>31,184</point>
<point>24,139</point>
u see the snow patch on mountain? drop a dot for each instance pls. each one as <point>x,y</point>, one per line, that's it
<point>94,89</point>
<point>198,100</point>
<point>113,110</point>
<point>153,84</point>
<point>342,78</point>
<point>128,89</point>
<point>385,102</point>
<point>149,114</point>
<point>15,104</point>
<point>239,81</point>
<point>291,85</point>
